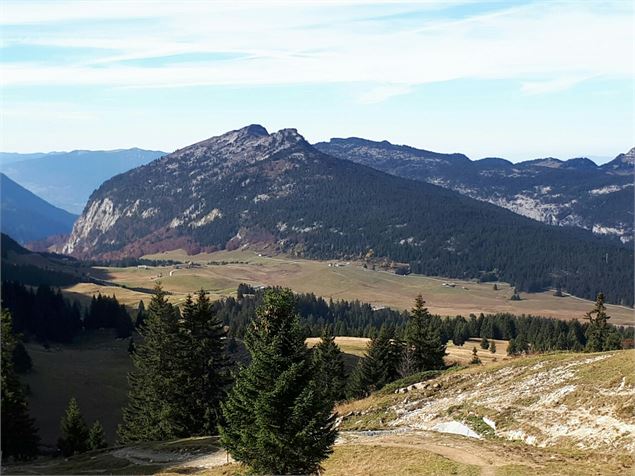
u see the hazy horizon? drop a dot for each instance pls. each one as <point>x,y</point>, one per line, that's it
<point>518,80</point>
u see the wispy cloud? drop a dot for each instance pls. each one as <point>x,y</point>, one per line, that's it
<point>548,47</point>
<point>557,42</point>
<point>550,86</point>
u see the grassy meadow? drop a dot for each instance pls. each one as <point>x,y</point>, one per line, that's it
<point>348,280</point>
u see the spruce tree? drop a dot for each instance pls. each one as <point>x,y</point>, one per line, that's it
<point>329,367</point>
<point>131,345</point>
<point>22,362</point>
<point>74,431</point>
<point>485,343</point>
<point>148,415</point>
<point>19,434</point>
<point>492,347</point>
<point>141,315</point>
<point>511,347</point>
<point>277,419</point>
<point>96,437</point>
<point>379,366</point>
<point>423,339</point>
<point>475,360</point>
<point>204,367</point>
<point>600,336</point>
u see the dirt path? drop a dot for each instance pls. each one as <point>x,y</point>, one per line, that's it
<point>141,456</point>
<point>458,449</point>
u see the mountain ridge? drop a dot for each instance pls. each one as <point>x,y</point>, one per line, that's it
<point>28,217</point>
<point>248,186</point>
<point>576,192</point>
<point>66,179</point>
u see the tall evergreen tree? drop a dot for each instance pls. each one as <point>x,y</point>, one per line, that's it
<point>329,367</point>
<point>141,315</point>
<point>485,343</point>
<point>19,434</point>
<point>148,415</point>
<point>204,367</point>
<point>475,359</point>
<point>461,332</point>
<point>96,437</point>
<point>423,338</point>
<point>276,418</point>
<point>600,336</point>
<point>379,366</point>
<point>492,347</point>
<point>74,430</point>
<point>21,359</point>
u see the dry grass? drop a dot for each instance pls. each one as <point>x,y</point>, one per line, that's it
<point>349,345</point>
<point>354,282</point>
<point>456,354</point>
<point>559,400</point>
<point>362,460</point>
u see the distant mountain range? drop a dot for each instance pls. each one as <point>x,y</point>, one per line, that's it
<point>575,192</point>
<point>249,187</point>
<point>66,179</point>
<point>26,217</point>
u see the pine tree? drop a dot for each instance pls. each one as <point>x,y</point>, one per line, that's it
<point>492,347</point>
<point>122,322</point>
<point>459,336</point>
<point>141,315</point>
<point>22,362</point>
<point>379,366</point>
<point>19,434</point>
<point>131,345</point>
<point>74,430</point>
<point>96,437</point>
<point>204,367</point>
<point>511,347</point>
<point>475,359</point>
<point>600,336</point>
<point>329,367</point>
<point>277,419</point>
<point>148,415</point>
<point>485,343</point>
<point>423,339</point>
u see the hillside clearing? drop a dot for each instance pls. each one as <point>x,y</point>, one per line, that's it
<point>456,354</point>
<point>572,401</point>
<point>93,369</point>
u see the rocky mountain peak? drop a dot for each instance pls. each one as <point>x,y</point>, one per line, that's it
<point>242,146</point>
<point>623,163</point>
<point>628,157</point>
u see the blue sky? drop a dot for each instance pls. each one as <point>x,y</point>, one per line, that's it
<point>518,80</point>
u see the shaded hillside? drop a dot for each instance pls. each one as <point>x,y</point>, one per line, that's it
<point>575,192</point>
<point>27,217</point>
<point>24,266</point>
<point>249,186</point>
<point>67,179</point>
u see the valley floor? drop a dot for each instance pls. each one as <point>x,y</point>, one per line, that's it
<point>220,273</point>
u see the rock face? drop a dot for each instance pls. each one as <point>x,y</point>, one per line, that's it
<point>276,190</point>
<point>575,192</point>
<point>182,186</point>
